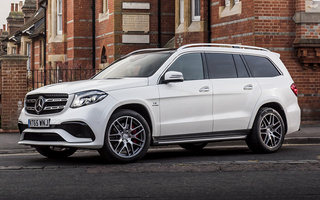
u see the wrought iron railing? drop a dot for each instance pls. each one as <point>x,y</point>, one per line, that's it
<point>39,77</point>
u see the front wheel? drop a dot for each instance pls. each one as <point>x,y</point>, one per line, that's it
<point>127,137</point>
<point>56,152</point>
<point>268,131</point>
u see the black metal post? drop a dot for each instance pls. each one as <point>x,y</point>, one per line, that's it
<point>93,34</point>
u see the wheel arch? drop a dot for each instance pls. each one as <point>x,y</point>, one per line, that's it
<point>276,106</point>
<point>142,110</point>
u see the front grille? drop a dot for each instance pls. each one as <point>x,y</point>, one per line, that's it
<point>46,103</point>
<point>43,137</point>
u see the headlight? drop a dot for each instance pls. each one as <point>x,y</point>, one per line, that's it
<point>87,98</point>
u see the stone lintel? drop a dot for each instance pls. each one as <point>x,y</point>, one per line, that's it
<point>303,17</point>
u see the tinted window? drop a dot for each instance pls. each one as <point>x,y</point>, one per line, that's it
<point>261,67</point>
<point>241,68</point>
<point>136,65</point>
<point>221,65</point>
<point>190,65</point>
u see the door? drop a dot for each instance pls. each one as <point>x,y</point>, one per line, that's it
<point>235,94</point>
<point>186,107</point>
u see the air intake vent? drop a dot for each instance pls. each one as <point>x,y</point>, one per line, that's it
<point>41,104</point>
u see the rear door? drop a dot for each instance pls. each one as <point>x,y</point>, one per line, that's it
<point>235,94</point>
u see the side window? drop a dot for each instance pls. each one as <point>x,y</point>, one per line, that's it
<point>221,65</point>
<point>261,67</point>
<point>190,65</point>
<point>241,68</point>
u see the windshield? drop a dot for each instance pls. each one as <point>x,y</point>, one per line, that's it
<point>137,65</point>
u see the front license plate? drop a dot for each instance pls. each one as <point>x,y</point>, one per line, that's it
<point>38,123</point>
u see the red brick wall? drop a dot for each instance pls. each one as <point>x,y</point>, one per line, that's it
<point>13,71</point>
<point>109,32</point>
<point>79,32</point>
<point>233,29</point>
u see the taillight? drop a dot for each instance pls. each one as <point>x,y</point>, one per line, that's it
<point>294,89</point>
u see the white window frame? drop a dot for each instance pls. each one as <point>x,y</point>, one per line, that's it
<point>59,17</point>
<point>105,7</point>
<point>233,2</point>
<point>28,52</point>
<point>193,10</point>
<point>181,14</point>
<point>14,50</point>
<point>227,3</point>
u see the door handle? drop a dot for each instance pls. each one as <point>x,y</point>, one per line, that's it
<point>204,89</point>
<point>248,87</point>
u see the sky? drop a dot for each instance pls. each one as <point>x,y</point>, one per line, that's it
<point>5,8</point>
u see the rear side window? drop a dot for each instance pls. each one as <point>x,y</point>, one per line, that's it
<point>190,65</point>
<point>221,65</point>
<point>261,67</point>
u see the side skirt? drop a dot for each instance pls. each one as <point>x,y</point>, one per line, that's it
<point>201,137</point>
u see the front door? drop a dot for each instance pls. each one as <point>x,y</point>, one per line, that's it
<point>186,107</point>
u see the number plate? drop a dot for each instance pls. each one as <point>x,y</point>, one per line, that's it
<point>39,123</point>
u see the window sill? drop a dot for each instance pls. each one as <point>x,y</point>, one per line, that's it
<point>103,16</point>
<point>196,26</point>
<point>226,11</point>
<point>180,28</point>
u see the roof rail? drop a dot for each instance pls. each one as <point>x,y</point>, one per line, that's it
<point>223,45</point>
<point>147,50</point>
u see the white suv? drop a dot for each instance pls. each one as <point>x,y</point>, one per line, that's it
<point>189,96</point>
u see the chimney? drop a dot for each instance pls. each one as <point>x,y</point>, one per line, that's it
<point>20,5</point>
<point>12,7</point>
<point>4,27</point>
<point>16,8</point>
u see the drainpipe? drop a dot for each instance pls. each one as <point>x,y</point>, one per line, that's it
<point>159,23</point>
<point>43,5</point>
<point>93,34</point>
<point>209,21</point>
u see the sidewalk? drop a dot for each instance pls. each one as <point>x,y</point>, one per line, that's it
<point>309,134</point>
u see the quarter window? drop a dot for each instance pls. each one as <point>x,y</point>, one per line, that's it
<point>261,67</point>
<point>190,65</point>
<point>221,65</point>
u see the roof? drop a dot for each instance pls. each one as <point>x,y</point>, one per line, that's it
<point>33,27</point>
<point>30,4</point>
<point>15,15</point>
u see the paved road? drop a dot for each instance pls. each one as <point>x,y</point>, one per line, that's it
<point>217,172</point>
<point>172,155</point>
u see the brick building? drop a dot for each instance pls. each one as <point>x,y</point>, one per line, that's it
<point>81,35</point>
<point>289,27</point>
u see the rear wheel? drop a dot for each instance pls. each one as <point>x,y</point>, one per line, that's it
<point>56,152</point>
<point>267,134</point>
<point>127,137</point>
<point>193,146</point>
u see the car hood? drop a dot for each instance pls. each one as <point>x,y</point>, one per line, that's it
<point>103,85</point>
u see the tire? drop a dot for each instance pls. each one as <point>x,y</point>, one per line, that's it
<point>127,137</point>
<point>193,146</point>
<point>56,152</point>
<point>268,131</point>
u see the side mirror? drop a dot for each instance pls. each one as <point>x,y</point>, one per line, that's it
<point>173,76</point>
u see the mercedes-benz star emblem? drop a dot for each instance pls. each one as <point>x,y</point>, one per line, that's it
<point>39,104</point>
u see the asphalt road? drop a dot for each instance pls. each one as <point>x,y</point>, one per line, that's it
<point>166,173</point>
